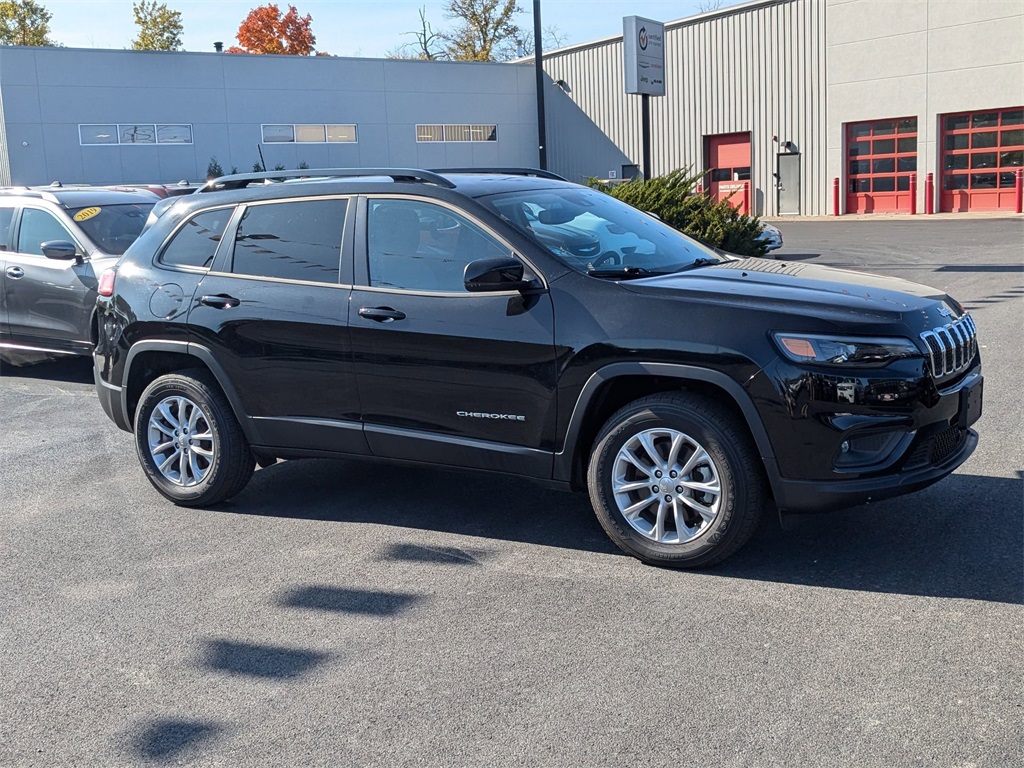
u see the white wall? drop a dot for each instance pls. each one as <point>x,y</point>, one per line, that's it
<point>920,58</point>
<point>47,92</point>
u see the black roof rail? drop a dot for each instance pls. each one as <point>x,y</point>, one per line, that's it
<point>242,180</point>
<point>540,174</point>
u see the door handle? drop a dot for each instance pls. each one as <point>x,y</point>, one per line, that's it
<point>381,314</point>
<point>220,301</point>
<point>15,273</point>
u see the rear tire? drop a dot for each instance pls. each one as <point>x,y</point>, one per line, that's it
<point>188,440</point>
<point>675,480</point>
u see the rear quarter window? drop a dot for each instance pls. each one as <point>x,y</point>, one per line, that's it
<point>195,243</point>
<point>298,240</point>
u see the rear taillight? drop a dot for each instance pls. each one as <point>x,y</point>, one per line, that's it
<point>106,286</point>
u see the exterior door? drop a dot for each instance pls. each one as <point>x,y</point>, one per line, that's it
<point>729,161</point>
<point>48,300</point>
<point>981,152</point>
<point>444,374</point>
<point>274,312</point>
<point>789,184</point>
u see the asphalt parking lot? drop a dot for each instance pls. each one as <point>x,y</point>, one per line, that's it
<point>352,614</point>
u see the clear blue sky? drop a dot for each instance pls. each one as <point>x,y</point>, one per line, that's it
<point>367,28</point>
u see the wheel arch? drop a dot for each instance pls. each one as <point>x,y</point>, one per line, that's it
<point>618,384</point>
<point>150,359</point>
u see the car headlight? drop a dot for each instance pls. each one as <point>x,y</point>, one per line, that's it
<point>844,350</point>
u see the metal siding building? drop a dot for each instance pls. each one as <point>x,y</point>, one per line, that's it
<point>223,101</point>
<point>756,69</point>
<point>776,96</point>
<point>871,92</point>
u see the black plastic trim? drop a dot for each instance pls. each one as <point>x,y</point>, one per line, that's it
<point>563,458</point>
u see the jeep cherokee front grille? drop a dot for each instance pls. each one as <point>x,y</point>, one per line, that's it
<point>952,347</point>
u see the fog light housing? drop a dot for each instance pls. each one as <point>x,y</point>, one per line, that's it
<point>861,451</point>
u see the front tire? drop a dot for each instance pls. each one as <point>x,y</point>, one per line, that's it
<point>675,480</point>
<point>189,442</point>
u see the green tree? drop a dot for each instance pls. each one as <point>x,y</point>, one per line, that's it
<point>160,28</point>
<point>24,22</point>
<point>485,30</point>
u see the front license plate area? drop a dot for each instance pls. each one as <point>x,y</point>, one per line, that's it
<point>970,404</point>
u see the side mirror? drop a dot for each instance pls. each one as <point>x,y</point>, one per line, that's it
<point>502,274</point>
<point>60,249</point>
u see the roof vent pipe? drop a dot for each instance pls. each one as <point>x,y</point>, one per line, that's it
<point>218,47</point>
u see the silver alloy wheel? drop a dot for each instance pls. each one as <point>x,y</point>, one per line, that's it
<point>666,486</point>
<point>181,441</point>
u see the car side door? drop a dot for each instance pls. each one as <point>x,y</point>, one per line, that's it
<point>273,314</point>
<point>446,375</point>
<point>50,302</point>
<point>6,219</point>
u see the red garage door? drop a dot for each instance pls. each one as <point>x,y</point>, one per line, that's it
<point>881,156</point>
<point>729,161</point>
<point>981,152</point>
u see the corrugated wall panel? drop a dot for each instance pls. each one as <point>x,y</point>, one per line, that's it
<point>758,68</point>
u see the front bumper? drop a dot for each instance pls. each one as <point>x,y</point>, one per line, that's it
<point>822,496</point>
<point>842,440</point>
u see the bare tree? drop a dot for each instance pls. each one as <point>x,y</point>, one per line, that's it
<point>709,5</point>
<point>552,36</point>
<point>428,45</point>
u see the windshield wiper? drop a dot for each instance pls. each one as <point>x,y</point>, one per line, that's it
<point>699,262</point>
<point>623,273</point>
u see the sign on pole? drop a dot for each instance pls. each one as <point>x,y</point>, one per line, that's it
<point>644,47</point>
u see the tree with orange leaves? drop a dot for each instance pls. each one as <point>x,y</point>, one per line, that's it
<point>266,30</point>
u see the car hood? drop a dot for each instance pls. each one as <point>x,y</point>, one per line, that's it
<point>827,291</point>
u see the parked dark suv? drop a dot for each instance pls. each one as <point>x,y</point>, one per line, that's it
<point>54,243</point>
<point>417,316</point>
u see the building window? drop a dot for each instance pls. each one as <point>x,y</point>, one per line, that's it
<point>135,133</point>
<point>311,133</point>
<point>456,132</point>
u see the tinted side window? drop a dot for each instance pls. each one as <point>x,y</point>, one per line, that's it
<point>296,241</point>
<point>196,242</point>
<point>420,246</point>
<point>6,216</point>
<point>39,227</point>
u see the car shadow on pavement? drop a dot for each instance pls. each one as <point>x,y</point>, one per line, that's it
<point>77,370</point>
<point>466,503</point>
<point>961,538</point>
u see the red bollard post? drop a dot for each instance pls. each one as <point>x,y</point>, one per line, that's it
<point>835,196</point>
<point>913,194</point>
<point>746,197</point>
<point>1019,190</point>
<point>929,194</point>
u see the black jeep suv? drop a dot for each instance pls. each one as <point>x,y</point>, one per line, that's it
<point>420,316</point>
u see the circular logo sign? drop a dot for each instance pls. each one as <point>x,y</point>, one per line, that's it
<point>642,37</point>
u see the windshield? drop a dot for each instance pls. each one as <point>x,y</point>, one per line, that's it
<point>112,227</point>
<point>596,234</point>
